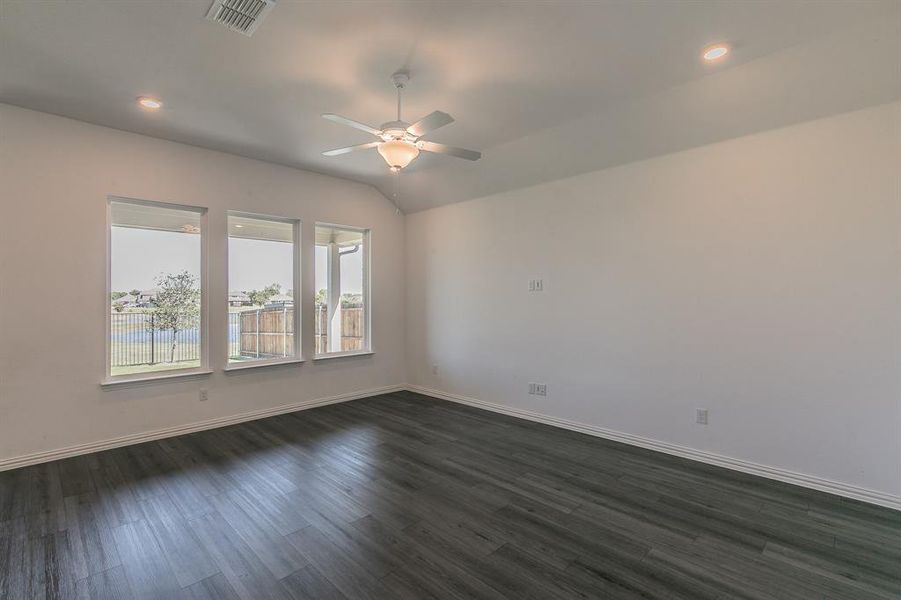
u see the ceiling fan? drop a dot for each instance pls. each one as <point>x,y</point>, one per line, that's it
<point>399,142</point>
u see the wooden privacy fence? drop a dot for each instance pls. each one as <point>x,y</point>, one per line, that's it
<point>269,332</point>
<point>352,327</point>
<point>266,333</point>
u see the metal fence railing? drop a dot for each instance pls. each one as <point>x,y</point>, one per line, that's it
<point>136,339</point>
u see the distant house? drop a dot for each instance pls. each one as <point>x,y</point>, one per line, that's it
<point>238,299</point>
<point>127,301</point>
<point>280,300</point>
<point>146,297</point>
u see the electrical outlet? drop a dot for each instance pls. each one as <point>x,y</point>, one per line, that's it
<point>701,416</point>
<point>204,395</point>
<point>536,285</point>
<point>538,389</point>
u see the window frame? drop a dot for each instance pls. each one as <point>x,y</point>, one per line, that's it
<point>297,255</point>
<point>204,368</point>
<point>366,272</point>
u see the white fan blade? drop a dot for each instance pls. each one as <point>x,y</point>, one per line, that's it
<point>352,123</point>
<point>347,149</point>
<point>429,123</point>
<point>453,151</point>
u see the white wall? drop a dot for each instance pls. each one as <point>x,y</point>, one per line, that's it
<point>55,176</point>
<point>759,278</point>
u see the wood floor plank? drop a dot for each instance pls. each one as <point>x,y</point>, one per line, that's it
<point>242,568</point>
<point>309,584</point>
<point>269,545</point>
<point>349,577</point>
<point>118,502</point>
<point>144,562</point>
<point>93,547</point>
<point>215,587</point>
<point>405,496</point>
<point>188,559</point>
<point>111,584</point>
<point>75,476</point>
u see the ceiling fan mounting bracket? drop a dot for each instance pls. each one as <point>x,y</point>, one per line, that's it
<point>400,79</point>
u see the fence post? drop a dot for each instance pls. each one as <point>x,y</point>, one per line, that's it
<point>284,330</point>
<point>258,333</point>
<point>152,338</point>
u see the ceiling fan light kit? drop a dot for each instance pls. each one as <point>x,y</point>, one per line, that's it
<point>401,142</point>
<point>398,153</point>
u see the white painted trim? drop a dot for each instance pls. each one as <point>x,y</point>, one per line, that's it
<point>367,287</point>
<point>347,354</point>
<point>255,364</point>
<point>296,278</point>
<point>160,376</point>
<point>800,479</point>
<point>778,474</point>
<point>203,211</point>
<point>137,438</point>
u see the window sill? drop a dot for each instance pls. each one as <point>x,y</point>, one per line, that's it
<point>343,354</point>
<point>255,364</point>
<point>125,379</point>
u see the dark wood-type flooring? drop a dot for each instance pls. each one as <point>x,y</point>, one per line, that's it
<point>403,496</point>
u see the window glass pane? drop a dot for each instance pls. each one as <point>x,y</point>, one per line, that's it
<point>261,288</point>
<point>341,290</point>
<point>155,295</point>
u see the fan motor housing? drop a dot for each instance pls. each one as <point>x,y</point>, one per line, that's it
<point>396,130</point>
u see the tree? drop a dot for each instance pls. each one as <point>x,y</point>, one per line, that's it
<point>321,298</point>
<point>177,305</point>
<point>135,292</point>
<point>116,295</point>
<point>260,297</point>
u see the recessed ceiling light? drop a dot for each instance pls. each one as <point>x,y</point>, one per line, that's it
<point>715,52</point>
<point>239,226</point>
<point>150,103</point>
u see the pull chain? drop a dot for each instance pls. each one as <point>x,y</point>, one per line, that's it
<point>396,191</point>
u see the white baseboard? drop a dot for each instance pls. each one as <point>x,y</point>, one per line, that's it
<point>778,474</point>
<point>783,475</point>
<point>137,438</point>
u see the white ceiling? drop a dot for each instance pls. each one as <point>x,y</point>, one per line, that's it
<point>544,89</point>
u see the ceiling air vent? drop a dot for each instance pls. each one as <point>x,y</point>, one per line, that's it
<point>243,16</point>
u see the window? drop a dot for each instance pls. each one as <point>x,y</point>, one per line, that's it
<point>342,290</point>
<point>262,289</point>
<point>156,289</point>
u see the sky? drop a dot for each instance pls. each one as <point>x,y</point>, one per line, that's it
<point>254,264</point>
<point>351,271</point>
<point>140,255</point>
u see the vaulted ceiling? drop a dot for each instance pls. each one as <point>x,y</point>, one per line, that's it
<point>544,89</point>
